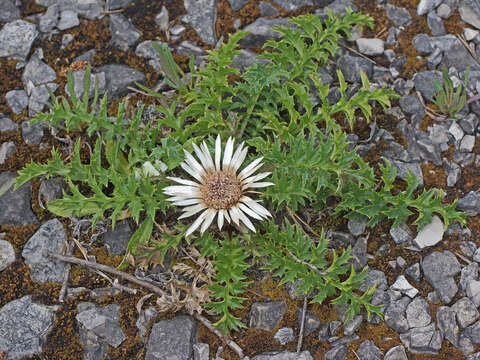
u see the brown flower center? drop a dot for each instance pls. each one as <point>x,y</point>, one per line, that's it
<point>221,190</point>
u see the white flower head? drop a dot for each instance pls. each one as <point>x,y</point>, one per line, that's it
<point>220,189</point>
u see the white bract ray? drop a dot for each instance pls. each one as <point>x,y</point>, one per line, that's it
<point>219,190</point>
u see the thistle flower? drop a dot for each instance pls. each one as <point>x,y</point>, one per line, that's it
<point>220,190</point>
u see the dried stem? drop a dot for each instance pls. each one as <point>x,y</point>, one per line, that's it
<point>302,324</point>
<point>66,274</point>
<point>73,260</point>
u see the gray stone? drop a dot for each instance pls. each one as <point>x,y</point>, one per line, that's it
<point>418,313</point>
<point>465,345</point>
<point>68,20</point>
<point>469,123</point>
<point>267,9</point>
<point>260,31</point>
<point>32,134</point>
<point>470,203</point>
<point>469,272</point>
<point>396,353</point>
<point>6,149</point>
<point>470,12</point>
<point>172,339</point>
<point>118,78</point>
<point>356,226</point>
<point>25,326</point>
<point>404,168</point>
<point>202,16</point>
<point>267,315</point>
<point>51,189</point>
<point>284,355</point>
<point>453,172</point>
<point>473,291</point>
<point>97,78</point>
<point>411,105</point>
<point>336,342</point>
<point>16,39</point>
<point>425,6</point>
<point>394,315</point>
<point>292,5</point>
<point>359,256</point>
<point>475,356</point>
<point>246,58</point>
<point>311,322</point>
<point>425,83</point>
<point>337,353</point>
<point>371,47</point>
<point>459,57</point>
<point>467,143</point>
<point>145,49</point>
<point>144,319</point>
<point>439,270</point>
<point>100,323</point>
<point>7,124</point>
<point>414,272</point>
<point>189,48</point>
<point>401,233</point>
<point>431,234</point>
<point>352,65</point>
<point>124,34</point>
<point>9,12</point>
<point>398,16</point>
<point>352,326</point>
<point>444,11</point>
<point>201,351</point>
<point>402,285</point>
<point>86,56</point>
<point>284,335</point>
<point>338,7</point>
<point>49,237</point>
<point>237,4</point>
<point>447,325</point>
<point>369,351</point>
<point>15,205</point>
<point>334,326</point>
<point>7,254</point>
<point>37,72</point>
<point>117,239</point>
<point>17,100</point>
<point>435,24</point>
<point>39,97</point>
<point>162,19</point>
<point>118,4</point>
<point>374,277</point>
<point>423,340</point>
<point>49,20</point>
<point>422,43</point>
<point>473,332</point>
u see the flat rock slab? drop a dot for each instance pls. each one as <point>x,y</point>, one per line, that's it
<point>202,16</point>
<point>50,237</point>
<point>24,327</point>
<point>15,206</point>
<point>7,254</point>
<point>267,315</point>
<point>431,234</point>
<point>439,269</point>
<point>16,39</point>
<point>172,339</point>
<point>118,78</point>
<point>284,355</point>
<point>101,324</point>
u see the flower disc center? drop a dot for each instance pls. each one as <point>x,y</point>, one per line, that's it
<point>221,190</point>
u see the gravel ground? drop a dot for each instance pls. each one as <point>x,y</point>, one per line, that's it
<point>428,281</point>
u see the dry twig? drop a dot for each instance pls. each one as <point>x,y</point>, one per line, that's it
<point>66,274</point>
<point>302,324</point>
<point>358,53</point>
<point>156,290</point>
